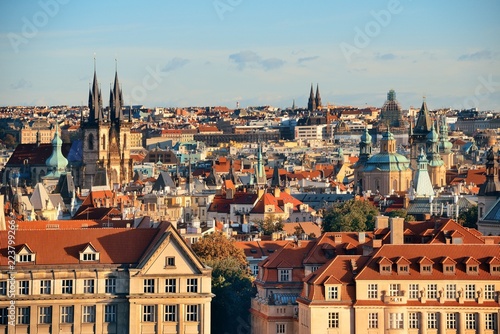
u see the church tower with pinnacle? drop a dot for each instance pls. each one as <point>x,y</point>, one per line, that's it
<point>106,140</point>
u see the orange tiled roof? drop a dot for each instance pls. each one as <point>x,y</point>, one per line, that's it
<point>110,243</point>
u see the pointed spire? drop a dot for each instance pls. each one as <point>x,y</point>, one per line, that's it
<point>275,181</point>
<point>424,122</point>
<point>318,97</point>
<point>116,101</point>
<point>311,104</point>
<point>96,113</point>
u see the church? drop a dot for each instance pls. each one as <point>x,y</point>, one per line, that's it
<point>106,140</point>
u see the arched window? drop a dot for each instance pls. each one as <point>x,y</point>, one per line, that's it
<point>395,185</point>
<point>91,142</point>
<point>103,142</point>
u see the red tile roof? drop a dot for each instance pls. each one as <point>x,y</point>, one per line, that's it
<point>113,245</point>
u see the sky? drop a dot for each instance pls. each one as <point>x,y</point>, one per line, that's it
<point>255,52</point>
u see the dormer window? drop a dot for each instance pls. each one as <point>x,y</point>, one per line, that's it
<point>25,255</point>
<point>403,266</point>
<point>89,254</point>
<point>472,266</point>
<point>448,266</point>
<point>494,263</point>
<point>332,292</point>
<point>385,266</point>
<point>426,266</point>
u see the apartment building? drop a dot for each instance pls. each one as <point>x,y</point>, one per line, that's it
<point>117,280</point>
<point>418,277</point>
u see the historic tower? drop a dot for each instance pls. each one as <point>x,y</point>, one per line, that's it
<point>418,135</point>
<point>106,140</point>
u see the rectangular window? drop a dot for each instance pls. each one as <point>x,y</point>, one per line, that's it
<point>170,261</point>
<point>414,320</point>
<point>451,291</point>
<point>451,321</point>
<point>372,291</point>
<point>491,321</point>
<point>280,328</point>
<point>110,313</point>
<point>89,256</point>
<point>470,321</point>
<point>396,320</point>
<point>45,287</point>
<point>255,269</point>
<point>171,285</point>
<point>110,285</point>
<point>88,286</point>
<point>333,320</point>
<point>45,315</point>
<point>23,315</point>
<point>432,321</point>
<point>67,314</point>
<point>171,313</point>
<point>191,312</point>
<point>24,287</point>
<point>149,285</point>
<point>67,286</point>
<point>284,275</point>
<point>432,291</point>
<point>372,320</point>
<point>449,268</point>
<point>489,291</point>
<point>395,290</point>
<point>4,316</point>
<point>192,285</point>
<point>470,291</point>
<point>426,268</point>
<point>149,313</point>
<point>333,292</point>
<point>3,288</point>
<point>413,292</point>
<point>88,313</point>
<point>25,258</point>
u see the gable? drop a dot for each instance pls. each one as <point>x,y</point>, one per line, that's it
<point>170,255</point>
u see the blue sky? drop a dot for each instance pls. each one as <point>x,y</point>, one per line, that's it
<point>218,52</point>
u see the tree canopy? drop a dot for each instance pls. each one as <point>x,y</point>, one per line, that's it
<point>351,216</point>
<point>217,246</point>
<point>469,217</point>
<point>232,283</point>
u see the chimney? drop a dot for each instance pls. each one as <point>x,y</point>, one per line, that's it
<point>338,238</point>
<point>397,233</point>
<point>381,222</point>
<point>362,237</point>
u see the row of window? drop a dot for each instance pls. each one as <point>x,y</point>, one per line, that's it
<point>430,291</point>
<point>397,320</point>
<point>89,286</point>
<point>149,285</point>
<point>171,312</point>
<point>67,286</point>
<point>23,314</point>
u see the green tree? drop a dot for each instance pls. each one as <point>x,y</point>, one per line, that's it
<point>351,216</point>
<point>232,283</point>
<point>9,141</point>
<point>217,246</point>
<point>468,218</point>
<point>402,213</point>
<point>270,225</point>
<point>233,289</point>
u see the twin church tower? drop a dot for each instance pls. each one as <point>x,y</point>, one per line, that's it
<point>106,139</point>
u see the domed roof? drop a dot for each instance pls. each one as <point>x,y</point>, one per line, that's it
<point>387,162</point>
<point>365,137</point>
<point>432,135</point>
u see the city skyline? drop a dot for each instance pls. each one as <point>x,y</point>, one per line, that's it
<point>226,51</point>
